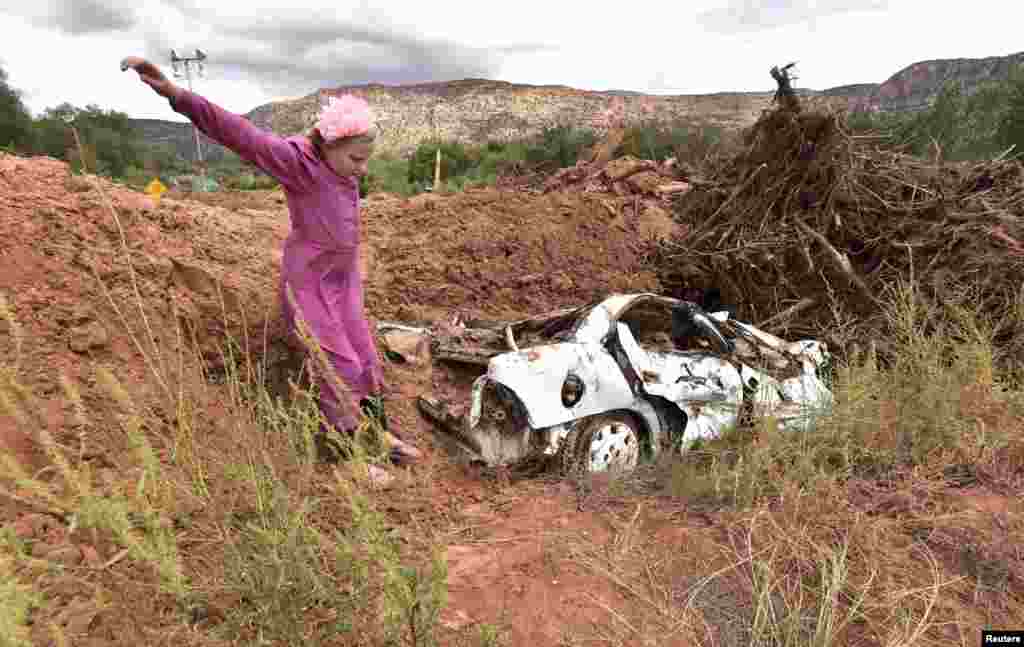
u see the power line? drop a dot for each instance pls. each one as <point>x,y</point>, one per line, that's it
<point>177,63</point>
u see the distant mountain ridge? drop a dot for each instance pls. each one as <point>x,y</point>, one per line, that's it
<point>178,136</point>
<point>916,86</point>
<point>474,110</point>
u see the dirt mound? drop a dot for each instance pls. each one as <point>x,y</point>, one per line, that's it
<point>72,293</point>
<point>624,176</point>
<point>485,253</point>
<point>808,216</point>
<point>544,564</point>
<point>257,200</point>
<point>64,274</point>
<point>494,253</point>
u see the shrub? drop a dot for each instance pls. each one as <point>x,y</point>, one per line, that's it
<point>961,126</point>
<point>135,177</point>
<point>15,119</point>
<point>388,175</point>
<point>264,183</point>
<point>1010,130</point>
<point>455,160</point>
<point>559,146</point>
<point>657,140</point>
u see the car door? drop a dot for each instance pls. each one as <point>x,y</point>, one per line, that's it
<point>706,388</point>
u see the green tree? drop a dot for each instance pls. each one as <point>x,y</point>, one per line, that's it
<point>1010,131</point>
<point>938,125</point>
<point>109,135</point>
<point>455,160</point>
<point>964,126</point>
<point>15,118</point>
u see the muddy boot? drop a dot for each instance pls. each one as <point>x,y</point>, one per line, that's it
<point>401,452</point>
<point>333,451</point>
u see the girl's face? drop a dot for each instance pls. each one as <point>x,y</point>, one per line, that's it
<point>349,158</point>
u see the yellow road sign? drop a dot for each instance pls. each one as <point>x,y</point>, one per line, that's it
<point>156,189</point>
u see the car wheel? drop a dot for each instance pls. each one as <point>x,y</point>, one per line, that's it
<point>609,441</point>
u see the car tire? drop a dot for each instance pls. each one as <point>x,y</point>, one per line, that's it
<point>607,441</point>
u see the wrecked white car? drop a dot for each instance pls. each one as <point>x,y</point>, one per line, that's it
<point>609,384</point>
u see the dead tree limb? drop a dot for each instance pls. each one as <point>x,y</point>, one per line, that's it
<point>785,95</point>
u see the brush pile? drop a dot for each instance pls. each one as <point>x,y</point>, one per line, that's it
<point>809,218</point>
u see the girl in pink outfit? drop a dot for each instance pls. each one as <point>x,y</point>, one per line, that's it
<point>321,255</point>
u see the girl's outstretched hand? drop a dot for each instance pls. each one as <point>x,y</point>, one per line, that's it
<point>150,75</point>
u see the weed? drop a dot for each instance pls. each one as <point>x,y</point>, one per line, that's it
<point>16,603</point>
<point>413,596</point>
<point>389,175</point>
<point>247,472</point>
<point>883,418</point>
<point>489,635</point>
<point>279,569</point>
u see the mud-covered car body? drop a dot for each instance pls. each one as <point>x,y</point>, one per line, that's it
<point>669,371</point>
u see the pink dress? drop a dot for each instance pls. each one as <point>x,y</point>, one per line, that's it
<point>321,254</point>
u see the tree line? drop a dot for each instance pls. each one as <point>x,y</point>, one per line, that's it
<point>958,125</point>
<point>110,145</point>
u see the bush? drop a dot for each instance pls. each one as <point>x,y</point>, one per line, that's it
<point>455,160</point>
<point>388,175</point>
<point>945,351</point>
<point>495,159</point>
<point>15,119</point>
<point>962,126</point>
<point>264,183</point>
<point>686,141</point>
<point>246,181</point>
<point>1010,130</point>
<point>559,147</point>
<point>135,177</point>
<point>112,142</point>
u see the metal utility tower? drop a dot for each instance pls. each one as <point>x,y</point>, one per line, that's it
<point>177,62</point>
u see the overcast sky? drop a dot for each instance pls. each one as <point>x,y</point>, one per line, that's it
<point>69,50</point>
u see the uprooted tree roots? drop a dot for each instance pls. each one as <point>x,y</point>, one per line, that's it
<point>812,220</point>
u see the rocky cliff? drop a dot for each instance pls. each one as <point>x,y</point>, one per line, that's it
<point>475,110</point>
<point>916,86</point>
<point>471,110</point>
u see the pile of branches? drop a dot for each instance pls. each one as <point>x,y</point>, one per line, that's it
<point>809,226</point>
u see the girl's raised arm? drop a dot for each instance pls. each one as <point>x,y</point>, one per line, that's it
<point>273,154</point>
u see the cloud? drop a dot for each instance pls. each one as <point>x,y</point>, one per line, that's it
<point>285,51</point>
<point>77,17</point>
<point>753,15</point>
<point>296,52</point>
<point>527,48</point>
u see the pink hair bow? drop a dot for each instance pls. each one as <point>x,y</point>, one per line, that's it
<point>344,117</point>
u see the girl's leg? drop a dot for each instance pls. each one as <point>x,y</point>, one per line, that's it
<point>342,418</point>
<point>336,415</point>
